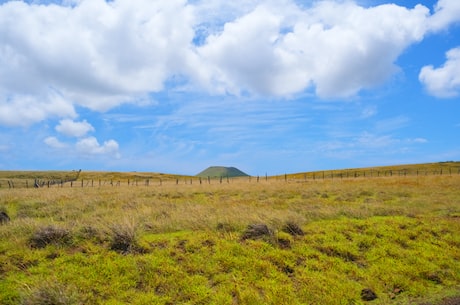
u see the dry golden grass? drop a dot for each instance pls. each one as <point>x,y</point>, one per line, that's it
<point>181,243</point>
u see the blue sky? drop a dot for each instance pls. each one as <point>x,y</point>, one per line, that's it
<point>267,86</point>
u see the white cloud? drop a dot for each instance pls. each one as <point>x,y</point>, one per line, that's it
<point>74,129</point>
<point>443,81</point>
<point>91,146</point>
<point>446,13</point>
<point>53,142</point>
<point>281,51</point>
<point>24,110</point>
<point>99,54</point>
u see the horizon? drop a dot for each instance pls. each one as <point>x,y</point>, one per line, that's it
<point>229,167</point>
<point>267,87</point>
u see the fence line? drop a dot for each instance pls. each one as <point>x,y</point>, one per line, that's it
<point>310,176</point>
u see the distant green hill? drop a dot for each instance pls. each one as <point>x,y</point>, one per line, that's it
<point>221,171</point>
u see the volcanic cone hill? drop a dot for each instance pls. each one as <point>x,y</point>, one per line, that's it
<point>221,171</point>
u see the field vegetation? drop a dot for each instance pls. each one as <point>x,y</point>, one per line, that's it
<point>380,240</point>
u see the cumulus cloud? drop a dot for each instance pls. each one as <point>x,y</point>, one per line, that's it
<point>443,81</point>
<point>59,55</point>
<point>97,53</point>
<point>74,129</point>
<point>26,109</point>
<point>53,142</point>
<point>91,146</point>
<point>330,46</point>
<point>446,12</point>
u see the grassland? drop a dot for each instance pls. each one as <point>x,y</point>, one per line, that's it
<point>183,243</point>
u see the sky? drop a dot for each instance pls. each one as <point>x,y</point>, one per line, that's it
<point>267,86</point>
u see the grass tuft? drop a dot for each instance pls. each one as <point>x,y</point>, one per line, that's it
<point>293,229</point>
<point>50,235</point>
<point>51,294</point>
<point>125,239</point>
<point>257,231</point>
<point>4,218</point>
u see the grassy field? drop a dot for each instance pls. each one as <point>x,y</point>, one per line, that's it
<point>331,241</point>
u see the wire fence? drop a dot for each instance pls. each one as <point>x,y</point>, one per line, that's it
<point>6,183</point>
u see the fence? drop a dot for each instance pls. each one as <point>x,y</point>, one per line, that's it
<point>157,181</point>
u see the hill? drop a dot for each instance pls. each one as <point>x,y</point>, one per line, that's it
<point>221,171</point>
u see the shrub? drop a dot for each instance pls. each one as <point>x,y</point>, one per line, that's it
<point>50,235</point>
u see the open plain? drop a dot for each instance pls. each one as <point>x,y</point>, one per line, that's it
<point>377,240</point>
